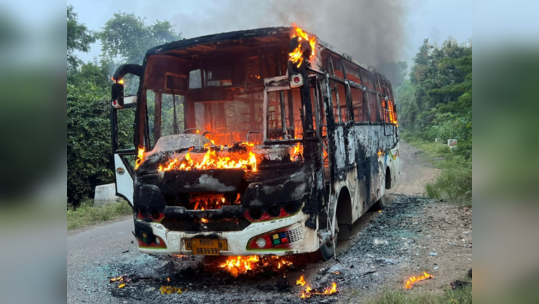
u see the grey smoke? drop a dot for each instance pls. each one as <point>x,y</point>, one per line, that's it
<point>371,31</point>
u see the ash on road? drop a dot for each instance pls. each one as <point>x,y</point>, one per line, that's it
<point>413,234</point>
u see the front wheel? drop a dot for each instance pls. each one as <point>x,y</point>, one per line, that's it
<point>327,250</point>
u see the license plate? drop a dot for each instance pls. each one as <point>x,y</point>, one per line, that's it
<point>203,246</point>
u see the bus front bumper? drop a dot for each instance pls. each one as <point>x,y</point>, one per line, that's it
<point>240,243</point>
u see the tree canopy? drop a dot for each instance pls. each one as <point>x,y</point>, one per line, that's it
<point>79,38</point>
<point>127,37</point>
<point>436,102</point>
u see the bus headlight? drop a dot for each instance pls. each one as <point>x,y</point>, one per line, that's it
<point>261,242</point>
<point>279,239</point>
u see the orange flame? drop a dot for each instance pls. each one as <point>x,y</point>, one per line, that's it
<point>296,56</point>
<point>331,290</point>
<point>140,157</point>
<point>308,292</point>
<point>241,265</point>
<point>298,151</point>
<point>412,280</point>
<point>392,116</point>
<point>121,81</point>
<point>212,161</point>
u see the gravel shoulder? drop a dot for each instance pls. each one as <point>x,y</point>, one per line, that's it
<point>413,234</point>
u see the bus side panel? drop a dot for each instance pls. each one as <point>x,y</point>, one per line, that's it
<point>370,168</point>
<point>395,172</point>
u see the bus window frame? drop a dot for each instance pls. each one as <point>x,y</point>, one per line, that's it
<point>280,84</point>
<point>347,93</point>
<point>331,77</point>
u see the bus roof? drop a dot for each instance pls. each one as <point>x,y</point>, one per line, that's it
<point>265,36</point>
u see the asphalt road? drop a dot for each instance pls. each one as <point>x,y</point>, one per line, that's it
<point>98,253</point>
<point>92,249</point>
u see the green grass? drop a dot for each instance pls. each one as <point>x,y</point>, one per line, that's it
<point>455,181</point>
<point>86,214</point>
<point>462,296</point>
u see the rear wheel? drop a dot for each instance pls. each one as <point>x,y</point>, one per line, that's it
<point>344,232</point>
<point>381,203</point>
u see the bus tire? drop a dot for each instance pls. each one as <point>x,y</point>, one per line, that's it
<point>327,251</point>
<point>381,203</point>
<point>344,232</point>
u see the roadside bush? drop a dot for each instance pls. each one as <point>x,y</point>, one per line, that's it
<point>86,214</point>
<point>454,185</point>
<point>88,140</point>
<point>455,182</point>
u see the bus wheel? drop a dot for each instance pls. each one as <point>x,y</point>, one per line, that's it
<point>327,251</point>
<point>381,203</point>
<point>344,232</point>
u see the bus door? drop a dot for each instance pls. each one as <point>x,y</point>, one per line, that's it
<point>285,117</point>
<point>122,116</point>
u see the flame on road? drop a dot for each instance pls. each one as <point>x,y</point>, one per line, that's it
<point>412,280</point>
<point>121,279</point>
<point>170,289</point>
<point>309,291</point>
<point>301,281</point>
<point>242,265</point>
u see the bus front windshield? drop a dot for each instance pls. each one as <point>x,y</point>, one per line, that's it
<point>222,102</point>
<point>224,122</point>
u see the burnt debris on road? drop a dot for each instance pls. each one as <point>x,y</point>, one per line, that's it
<point>374,258</point>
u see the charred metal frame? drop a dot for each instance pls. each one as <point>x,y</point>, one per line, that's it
<point>349,157</point>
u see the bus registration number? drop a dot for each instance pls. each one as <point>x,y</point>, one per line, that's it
<point>202,246</point>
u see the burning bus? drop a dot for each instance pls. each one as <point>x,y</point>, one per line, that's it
<point>265,141</point>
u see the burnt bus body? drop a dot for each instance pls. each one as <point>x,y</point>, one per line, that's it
<point>317,141</point>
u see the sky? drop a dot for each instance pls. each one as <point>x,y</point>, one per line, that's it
<point>420,19</point>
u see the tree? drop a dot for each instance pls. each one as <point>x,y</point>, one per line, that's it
<point>79,38</point>
<point>437,100</point>
<point>125,38</point>
<point>94,73</point>
<point>88,140</point>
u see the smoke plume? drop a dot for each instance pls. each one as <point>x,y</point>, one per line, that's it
<point>372,32</point>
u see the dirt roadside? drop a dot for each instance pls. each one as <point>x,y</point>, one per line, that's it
<point>411,235</point>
